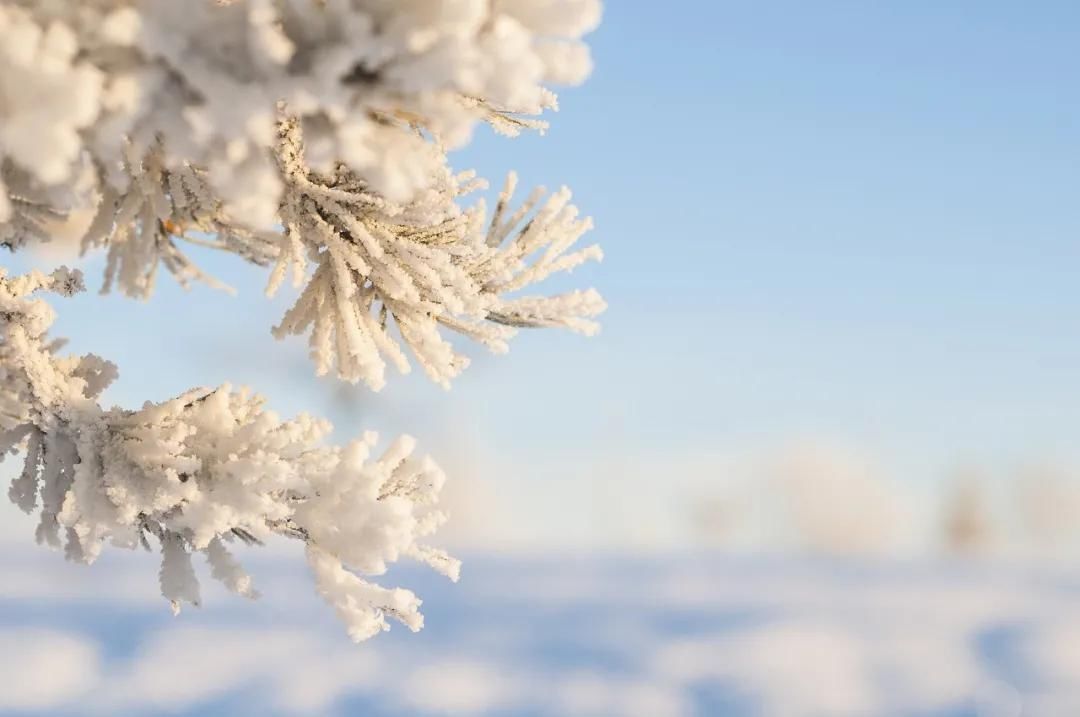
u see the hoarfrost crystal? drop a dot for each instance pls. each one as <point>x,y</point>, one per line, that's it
<point>309,137</point>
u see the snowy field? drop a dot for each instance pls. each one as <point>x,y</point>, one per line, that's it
<point>589,636</point>
<point>842,276</point>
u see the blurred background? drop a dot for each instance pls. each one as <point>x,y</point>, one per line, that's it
<point>822,459</point>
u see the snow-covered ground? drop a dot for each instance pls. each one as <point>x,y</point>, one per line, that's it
<point>591,636</point>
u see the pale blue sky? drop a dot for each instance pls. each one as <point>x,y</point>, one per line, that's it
<point>849,223</point>
<point>853,222</point>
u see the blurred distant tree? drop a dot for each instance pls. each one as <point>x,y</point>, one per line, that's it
<point>968,525</point>
<point>310,137</point>
<point>1047,500</point>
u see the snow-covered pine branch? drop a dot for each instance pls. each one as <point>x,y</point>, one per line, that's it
<point>202,470</point>
<point>88,77</point>
<point>424,263</point>
<point>309,137</point>
<point>277,129</point>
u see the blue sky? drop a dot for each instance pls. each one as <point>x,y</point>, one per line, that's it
<point>844,225</point>
<point>850,223</point>
<point>854,221</point>
<point>839,217</point>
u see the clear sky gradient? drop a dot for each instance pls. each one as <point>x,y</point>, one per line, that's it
<point>854,223</point>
